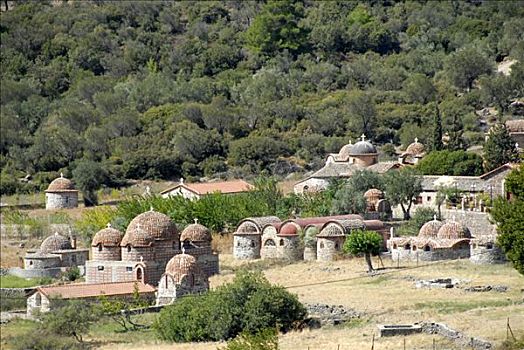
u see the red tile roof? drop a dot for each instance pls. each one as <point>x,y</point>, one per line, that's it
<point>84,290</point>
<point>234,186</point>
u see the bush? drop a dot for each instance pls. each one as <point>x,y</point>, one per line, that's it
<point>45,341</point>
<point>248,304</point>
<point>266,339</point>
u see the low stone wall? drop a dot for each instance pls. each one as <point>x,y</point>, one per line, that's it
<point>39,273</point>
<point>459,338</point>
<point>482,255</point>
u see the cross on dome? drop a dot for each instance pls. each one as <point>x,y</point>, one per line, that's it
<point>151,208</point>
<point>416,139</point>
<point>183,250</point>
<point>108,225</point>
<point>181,180</point>
<point>363,137</point>
<point>141,258</point>
<point>350,141</point>
<point>61,175</point>
<point>56,233</point>
<point>435,217</point>
<point>196,220</point>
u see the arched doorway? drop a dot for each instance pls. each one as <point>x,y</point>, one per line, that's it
<point>140,274</point>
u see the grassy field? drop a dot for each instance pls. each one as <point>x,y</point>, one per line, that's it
<point>18,282</point>
<point>388,298</point>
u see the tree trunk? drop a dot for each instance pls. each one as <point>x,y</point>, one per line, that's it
<point>406,213</point>
<point>367,255</point>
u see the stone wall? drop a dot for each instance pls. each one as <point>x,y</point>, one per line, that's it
<point>478,222</point>
<point>480,254</point>
<point>246,246</point>
<point>310,253</point>
<point>311,184</point>
<point>36,273</point>
<point>289,247</point>
<point>106,253</point>
<point>435,254</point>
<point>138,254</point>
<point>109,271</point>
<point>44,262</point>
<point>328,248</point>
<point>59,200</point>
<point>269,243</point>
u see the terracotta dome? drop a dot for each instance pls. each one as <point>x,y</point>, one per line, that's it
<point>107,237</point>
<point>345,151</point>
<point>415,149</point>
<point>453,230</point>
<point>54,243</point>
<point>288,229</point>
<point>136,236</point>
<point>182,265</point>
<point>196,233</point>
<point>60,184</point>
<point>430,229</point>
<point>373,193</point>
<point>363,147</point>
<point>156,224</point>
<point>331,230</point>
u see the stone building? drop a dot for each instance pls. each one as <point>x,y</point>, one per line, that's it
<point>413,154</point>
<point>332,236</point>
<point>435,241</point>
<point>142,253</point>
<point>342,165</point>
<point>269,239</point>
<point>310,241</point>
<point>196,241</point>
<point>61,194</point>
<point>55,255</point>
<point>516,131</point>
<point>484,250</point>
<point>200,189</point>
<point>46,298</point>
<point>247,237</point>
<point>183,276</point>
<point>377,208</point>
<point>150,240</point>
<point>289,243</point>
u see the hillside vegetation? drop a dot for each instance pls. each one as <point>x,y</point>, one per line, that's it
<point>143,90</point>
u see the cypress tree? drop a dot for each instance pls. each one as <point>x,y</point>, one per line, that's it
<point>436,144</point>
<point>499,149</point>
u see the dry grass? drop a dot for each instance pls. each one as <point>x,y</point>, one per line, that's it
<point>387,298</point>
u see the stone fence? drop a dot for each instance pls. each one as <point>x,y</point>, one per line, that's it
<point>459,338</point>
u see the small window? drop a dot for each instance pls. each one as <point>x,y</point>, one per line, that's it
<point>489,246</point>
<point>129,249</point>
<point>414,247</point>
<point>418,200</point>
<point>321,244</point>
<point>30,262</point>
<point>395,246</point>
<point>238,244</point>
<point>281,242</point>
<point>167,283</point>
<point>99,247</point>
<point>129,269</point>
<point>269,243</point>
<point>336,246</point>
<point>38,299</point>
<point>428,199</point>
<point>407,247</point>
<point>100,268</point>
<point>252,244</point>
<point>427,248</point>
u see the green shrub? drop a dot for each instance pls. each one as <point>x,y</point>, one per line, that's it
<point>248,304</point>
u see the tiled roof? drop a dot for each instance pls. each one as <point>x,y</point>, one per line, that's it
<point>148,226</point>
<point>108,237</point>
<point>55,242</point>
<point>196,233</point>
<point>255,225</point>
<point>85,290</point>
<point>61,184</point>
<point>383,167</point>
<point>235,186</point>
<point>516,125</point>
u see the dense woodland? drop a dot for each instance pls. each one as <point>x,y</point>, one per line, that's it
<point>144,90</point>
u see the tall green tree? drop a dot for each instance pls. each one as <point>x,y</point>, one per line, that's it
<point>277,28</point>
<point>402,187</point>
<point>499,149</point>
<point>509,216</point>
<point>436,139</point>
<point>363,242</point>
<point>89,177</point>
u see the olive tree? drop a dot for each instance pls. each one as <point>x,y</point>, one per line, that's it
<point>363,242</point>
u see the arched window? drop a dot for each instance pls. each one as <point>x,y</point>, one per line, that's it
<point>336,246</point>
<point>281,242</point>
<point>139,274</point>
<point>167,282</point>
<point>407,246</point>
<point>30,262</point>
<point>321,245</point>
<point>128,248</point>
<point>269,243</point>
<point>99,247</point>
<point>394,246</point>
<point>191,280</point>
<point>306,188</point>
<point>489,246</point>
<point>252,244</point>
<point>414,247</point>
<point>427,248</point>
